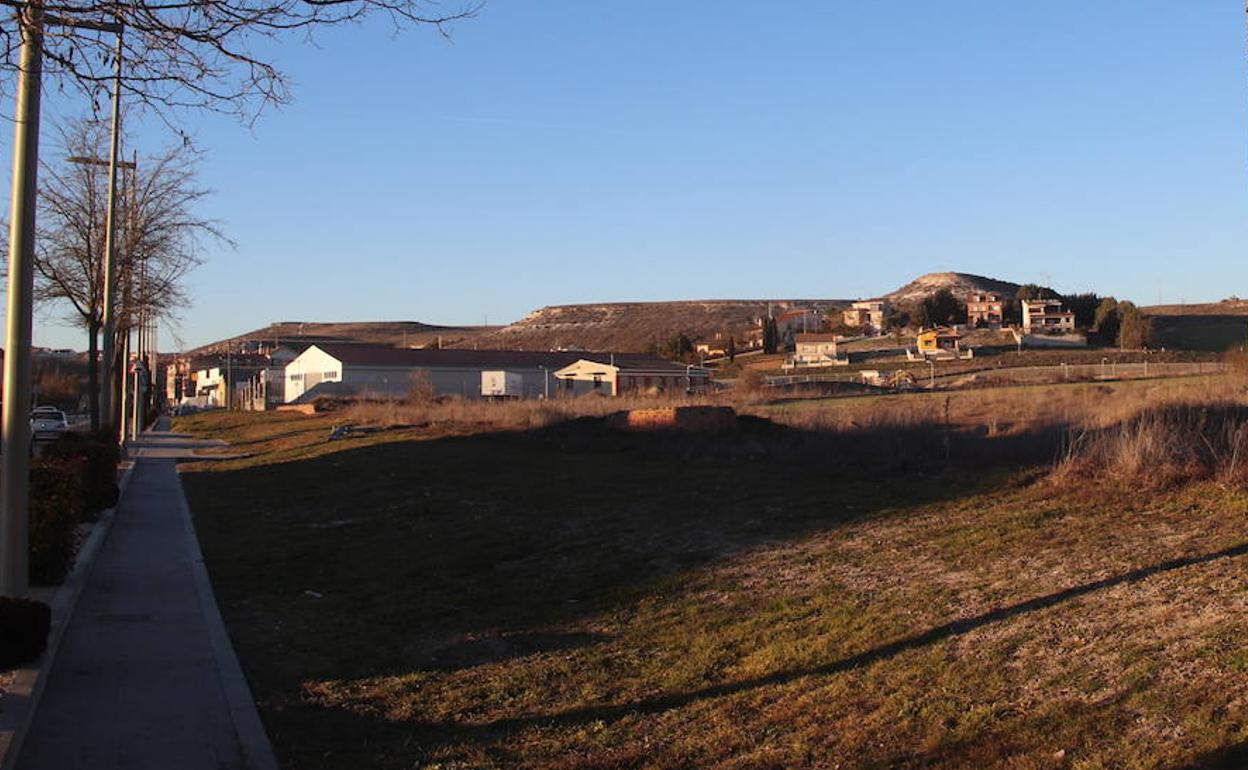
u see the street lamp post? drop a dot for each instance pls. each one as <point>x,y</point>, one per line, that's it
<point>110,254</point>
<point>15,464</point>
<point>15,413</point>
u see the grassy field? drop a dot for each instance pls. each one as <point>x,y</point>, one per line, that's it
<point>866,583</point>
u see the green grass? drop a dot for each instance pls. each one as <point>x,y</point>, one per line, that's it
<point>577,599</point>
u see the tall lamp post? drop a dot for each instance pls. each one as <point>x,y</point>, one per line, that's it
<point>15,413</point>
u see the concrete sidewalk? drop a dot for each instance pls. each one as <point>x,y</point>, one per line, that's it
<point>145,676</point>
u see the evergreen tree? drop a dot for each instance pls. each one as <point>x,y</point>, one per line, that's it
<point>770,337</point>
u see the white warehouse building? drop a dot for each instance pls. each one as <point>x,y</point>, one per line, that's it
<point>362,370</point>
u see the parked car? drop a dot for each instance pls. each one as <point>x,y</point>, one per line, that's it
<point>47,422</point>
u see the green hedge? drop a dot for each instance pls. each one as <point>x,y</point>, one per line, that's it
<point>24,625</point>
<point>56,508</point>
<point>99,456</point>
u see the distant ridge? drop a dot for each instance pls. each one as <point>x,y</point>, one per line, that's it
<point>626,327</point>
<point>637,326</point>
<point>303,333</point>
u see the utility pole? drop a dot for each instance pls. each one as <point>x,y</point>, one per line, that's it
<point>15,463</point>
<point>110,258</point>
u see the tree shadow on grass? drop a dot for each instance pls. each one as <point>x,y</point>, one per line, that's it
<point>394,559</point>
<point>1233,757</point>
<point>521,531</point>
<point>868,657</point>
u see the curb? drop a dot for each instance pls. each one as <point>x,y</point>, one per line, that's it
<point>252,739</point>
<point>21,701</point>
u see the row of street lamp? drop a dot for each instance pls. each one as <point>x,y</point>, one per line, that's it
<point>15,413</point>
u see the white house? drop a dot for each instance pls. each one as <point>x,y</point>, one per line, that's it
<point>814,350</point>
<point>1046,316</point>
<point>358,370</point>
<point>620,374</point>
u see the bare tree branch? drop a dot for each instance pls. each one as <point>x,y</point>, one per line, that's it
<point>196,54</point>
<point>161,237</point>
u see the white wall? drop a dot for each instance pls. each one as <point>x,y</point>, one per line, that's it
<point>315,366</point>
<point>312,367</point>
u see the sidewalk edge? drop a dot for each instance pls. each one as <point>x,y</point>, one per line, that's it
<point>31,680</point>
<point>252,738</point>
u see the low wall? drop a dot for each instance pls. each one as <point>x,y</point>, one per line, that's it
<point>300,408</point>
<point>676,418</point>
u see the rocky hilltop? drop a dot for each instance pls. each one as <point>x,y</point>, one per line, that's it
<point>960,284</point>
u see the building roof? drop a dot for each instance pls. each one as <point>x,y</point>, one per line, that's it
<point>385,356</point>
<point>643,365</point>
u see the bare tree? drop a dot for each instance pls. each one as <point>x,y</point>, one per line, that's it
<point>161,236</point>
<point>198,54</point>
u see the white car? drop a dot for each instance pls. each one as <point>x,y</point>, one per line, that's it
<point>47,422</point>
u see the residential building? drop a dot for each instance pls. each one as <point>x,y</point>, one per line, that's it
<point>798,320</point>
<point>814,350</point>
<point>626,374</point>
<point>984,311</point>
<point>936,342</point>
<point>1047,316</point>
<point>868,315</point>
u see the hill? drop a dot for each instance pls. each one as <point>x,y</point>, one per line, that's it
<point>405,333</point>
<point>960,284</point>
<point>1215,326</point>
<point>619,326</point>
<point>636,326</point>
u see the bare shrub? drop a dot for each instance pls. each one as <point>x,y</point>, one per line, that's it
<point>750,381</point>
<point>1163,444</point>
<point>420,391</point>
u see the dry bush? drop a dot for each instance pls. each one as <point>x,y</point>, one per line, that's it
<point>454,414</point>
<point>750,381</point>
<point>421,391</point>
<point>1163,444</point>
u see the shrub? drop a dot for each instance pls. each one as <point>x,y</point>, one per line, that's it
<point>421,390</point>
<point>99,456</point>
<point>1165,444</point>
<point>751,380</point>
<point>56,507</point>
<point>24,625</point>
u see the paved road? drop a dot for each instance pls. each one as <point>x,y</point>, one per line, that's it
<point>138,681</point>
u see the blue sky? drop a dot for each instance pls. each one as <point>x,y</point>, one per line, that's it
<point>564,151</point>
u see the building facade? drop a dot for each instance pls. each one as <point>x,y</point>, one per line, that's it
<point>868,315</point>
<point>984,311</point>
<point>814,349</point>
<point>376,370</point>
<point>1047,316</point>
<point>632,375</point>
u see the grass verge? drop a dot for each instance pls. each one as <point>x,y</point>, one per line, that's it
<point>568,597</point>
